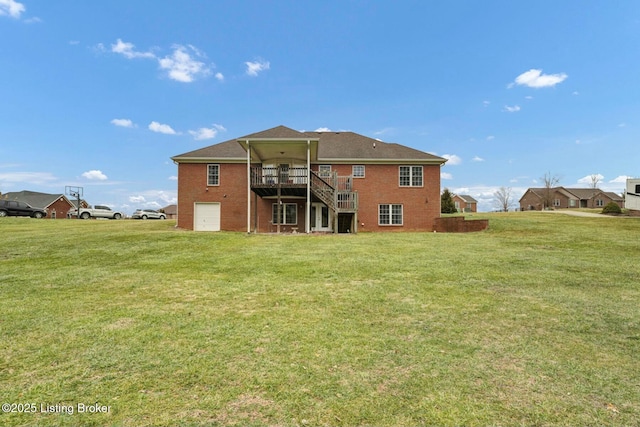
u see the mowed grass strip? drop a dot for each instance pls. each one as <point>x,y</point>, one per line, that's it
<point>533,322</point>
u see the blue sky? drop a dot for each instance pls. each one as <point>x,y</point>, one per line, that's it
<point>100,94</point>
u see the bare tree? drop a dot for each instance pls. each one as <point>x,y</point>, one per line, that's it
<point>595,180</point>
<point>503,199</point>
<point>550,181</point>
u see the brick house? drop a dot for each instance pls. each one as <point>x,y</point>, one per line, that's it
<point>283,180</point>
<point>567,198</point>
<point>56,205</point>
<point>465,203</point>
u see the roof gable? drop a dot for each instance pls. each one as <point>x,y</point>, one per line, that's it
<point>34,198</point>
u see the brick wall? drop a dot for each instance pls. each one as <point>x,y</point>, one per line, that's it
<point>458,224</point>
<point>59,209</point>
<point>421,205</point>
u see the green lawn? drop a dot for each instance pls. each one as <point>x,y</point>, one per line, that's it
<point>533,322</point>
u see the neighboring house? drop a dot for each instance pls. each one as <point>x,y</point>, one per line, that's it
<point>282,180</point>
<point>465,203</point>
<point>56,205</point>
<point>171,211</point>
<point>563,198</point>
<point>632,196</point>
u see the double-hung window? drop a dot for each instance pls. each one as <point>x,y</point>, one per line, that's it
<point>411,176</point>
<point>357,171</point>
<point>288,213</point>
<point>390,214</point>
<point>213,174</point>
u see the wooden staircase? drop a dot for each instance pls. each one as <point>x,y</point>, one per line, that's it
<point>335,192</point>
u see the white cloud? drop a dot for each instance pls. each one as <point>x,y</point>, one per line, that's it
<point>486,103</point>
<point>161,128</point>
<point>37,178</point>
<point>154,199</point>
<point>95,175</point>
<point>11,8</point>
<point>534,78</point>
<point>203,133</point>
<point>182,66</point>
<point>452,159</point>
<point>589,179</point>
<point>513,109</point>
<point>254,68</point>
<point>478,159</point>
<point>137,199</point>
<point>219,76</point>
<point>207,133</point>
<point>173,178</point>
<point>128,51</point>
<point>622,179</point>
<point>491,138</point>
<point>125,123</point>
<point>325,129</point>
<point>445,175</point>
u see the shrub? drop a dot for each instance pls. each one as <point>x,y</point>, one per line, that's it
<point>612,208</point>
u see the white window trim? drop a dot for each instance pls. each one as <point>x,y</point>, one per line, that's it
<point>411,167</point>
<point>390,206</point>
<point>208,174</point>
<point>353,171</point>
<point>284,214</point>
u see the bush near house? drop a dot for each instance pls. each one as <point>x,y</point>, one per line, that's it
<point>612,208</point>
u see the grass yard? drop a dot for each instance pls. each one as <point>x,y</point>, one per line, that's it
<point>533,322</point>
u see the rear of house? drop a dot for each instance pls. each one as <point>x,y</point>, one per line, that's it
<point>282,180</point>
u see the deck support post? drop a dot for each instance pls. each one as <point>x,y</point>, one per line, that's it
<point>307,212</point>
<point>248,187</point>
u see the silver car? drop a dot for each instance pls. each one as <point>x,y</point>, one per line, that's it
<point>148,214</point>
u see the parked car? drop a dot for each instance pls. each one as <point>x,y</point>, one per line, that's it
<point>97,211</point>
<point>148,214</point>
<point>14,208</point>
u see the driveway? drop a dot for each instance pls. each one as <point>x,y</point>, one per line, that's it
<point>585,214</point>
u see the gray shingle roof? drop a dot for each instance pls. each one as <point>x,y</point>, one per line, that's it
<point>332,146</point>
<point>467,198</point>
<point>34,198</point>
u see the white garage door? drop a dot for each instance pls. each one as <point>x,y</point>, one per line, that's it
<point>206,217</point>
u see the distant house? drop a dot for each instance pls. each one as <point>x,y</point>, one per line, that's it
<point>465,203</point>
<point>171,211</point>
<point>567,198</point>
<point>284,180</point>
<point>56,205</point>
<point>632,197</point>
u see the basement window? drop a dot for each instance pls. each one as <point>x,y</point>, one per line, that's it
<point>390,214</point>
<point>288,213</point>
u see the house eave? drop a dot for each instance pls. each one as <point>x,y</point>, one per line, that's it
<point>365,160</point>
<point>209,159</point>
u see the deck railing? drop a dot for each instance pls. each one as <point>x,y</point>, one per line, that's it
<point>335,191</point>
<point>266,176</point>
